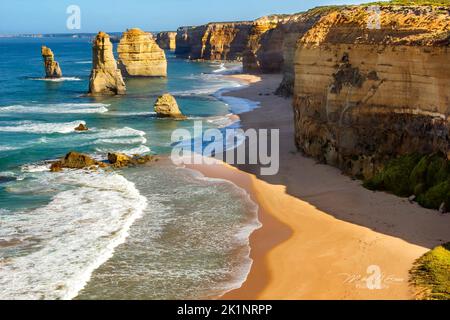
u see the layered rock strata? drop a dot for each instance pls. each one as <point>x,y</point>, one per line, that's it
<point>106,78</point>
<point>166,40</point>
<point>365,93</point>
<point>213,41</point>
<point>140,55</point>
<point>52,69</point>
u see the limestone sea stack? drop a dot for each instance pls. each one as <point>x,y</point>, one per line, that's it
<point>166,106</point>
<point>106,78</point>
<point>140,55</point>
<point>166,40</point>
<point>52,69</point>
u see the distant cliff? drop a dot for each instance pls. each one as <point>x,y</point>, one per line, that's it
<point>166,40</point>
<point>213,41</point>
<point>366,91</point>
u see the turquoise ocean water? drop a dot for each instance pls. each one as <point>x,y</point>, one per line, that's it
<point>157,232</point>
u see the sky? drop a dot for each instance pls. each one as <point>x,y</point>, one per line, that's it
<point>49,16</point>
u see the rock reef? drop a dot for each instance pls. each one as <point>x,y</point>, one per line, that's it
<point>76,160</point>
<point>166,106</point>
<point>52,69</point>
<point>213,41</point>
<point>106,78</point>
<point>365,95</point>
<point>140,55</point>
<point>167,40</point>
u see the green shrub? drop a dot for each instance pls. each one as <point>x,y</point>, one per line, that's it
<point>397,173</point>
<point>435,196</point>
<point>427,177</point>
<point>431,273</point>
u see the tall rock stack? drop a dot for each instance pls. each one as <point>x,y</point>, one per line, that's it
<point>167,40</point>
<point>364,94</point>
<point>52,69</point>
<point>140,55</point>
<point>106,78</point>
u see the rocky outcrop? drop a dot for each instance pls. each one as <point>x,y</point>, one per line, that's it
<point>81,127</point>
<point>106,78</point>
<point>166,106</point>
<point>213,41</point>
<point>75,160</point>
<point>166,40</point>
<point>52,69</point>
<point>140,55</point>
<point>120,160</point>
<point>365,94</point>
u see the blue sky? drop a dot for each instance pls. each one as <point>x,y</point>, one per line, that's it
<point>49,16</point>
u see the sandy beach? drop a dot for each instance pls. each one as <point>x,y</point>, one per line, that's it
<point>323,235</point>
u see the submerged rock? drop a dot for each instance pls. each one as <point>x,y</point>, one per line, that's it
<point>75,160</point>
<point>140,55</point>
<point>52,69</point>
<point>106,78</point>
<point>166,106</point>
<point>82,127</point>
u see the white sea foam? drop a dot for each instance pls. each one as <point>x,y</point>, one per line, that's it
<point>221,68</point>
<point>127,140</point>
<point>83,62</point>
<point>42,127</point>
<point>56,79</point>
<point>74,234</point>
<point>66,108</point>
<point>130,151</point>
<point>8,148</point>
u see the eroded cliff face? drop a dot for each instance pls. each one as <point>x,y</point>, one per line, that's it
<point>214,41</point>
<point>258,57</point>
<point>140,55</point>
<point>52,69</point>
<point>364,95</point>
<point>272,43</point>
<point>105,77</point>
<point>166,40</point>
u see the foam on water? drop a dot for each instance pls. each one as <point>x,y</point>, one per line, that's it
<point>8,148</point>
<point>72,236</point>
<point>56,79</point>
<point>128,151</point>
<point>65,108</point>
<point>42,127</point>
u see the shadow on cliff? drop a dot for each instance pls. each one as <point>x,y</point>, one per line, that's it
<point>336,194</point>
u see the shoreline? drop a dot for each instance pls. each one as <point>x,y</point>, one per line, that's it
<point>321,231</point>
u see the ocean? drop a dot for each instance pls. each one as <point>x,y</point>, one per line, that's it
<point>151,232</point>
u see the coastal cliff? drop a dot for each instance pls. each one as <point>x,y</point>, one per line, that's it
<point>166,40</point>
<point>106,78</point>
<point>213,41</point>
<point>140,55</point>
<point>364,95</point>
<point>258,55</point>
<point>52,69</point>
